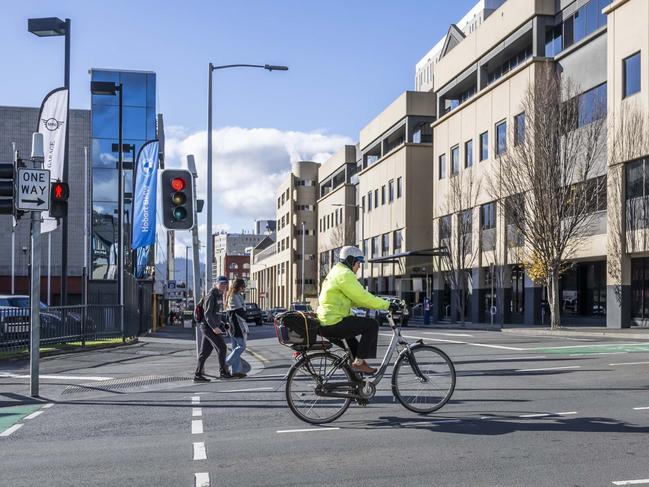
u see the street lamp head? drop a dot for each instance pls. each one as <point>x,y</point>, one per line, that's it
<point>46,26</point>
<point>103,88</point>
<point>273,67</point>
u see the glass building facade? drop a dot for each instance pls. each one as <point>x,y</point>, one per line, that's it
<point>139,126</point>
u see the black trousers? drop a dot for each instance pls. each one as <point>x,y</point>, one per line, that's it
<point>349,328</point>
<point>210,342</point>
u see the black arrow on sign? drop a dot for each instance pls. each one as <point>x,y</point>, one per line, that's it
<point>39,201</point>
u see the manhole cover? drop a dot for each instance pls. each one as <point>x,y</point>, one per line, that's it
<point>119,385</point>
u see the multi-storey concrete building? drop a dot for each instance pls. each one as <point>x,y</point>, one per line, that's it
<point>277,270</point>
<point>232,253</point>
<point>394,192</point>
<point>480,83</point>
<point>337,208</point>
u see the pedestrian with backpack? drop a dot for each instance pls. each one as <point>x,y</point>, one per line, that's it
<point>213,327</point>
<point>238,326</point>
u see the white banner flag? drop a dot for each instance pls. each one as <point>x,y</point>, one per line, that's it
<point>52,123</point>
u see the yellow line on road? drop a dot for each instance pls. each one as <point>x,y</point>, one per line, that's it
<point>258,356</point>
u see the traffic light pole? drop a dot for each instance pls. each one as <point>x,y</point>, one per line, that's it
<point>35,300</point>
<point>120,213</point>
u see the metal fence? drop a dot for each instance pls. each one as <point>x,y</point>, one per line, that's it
<point>64,324</point>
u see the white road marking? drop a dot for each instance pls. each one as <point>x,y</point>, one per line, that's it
<point>34,414</point>
<point>197,427</point>
<point>502,347</point>
<point>9,375</point>
<point>549,368</point>
<point>202,479</point>
<point>200,453</point>
<point>48,405</point>
<point>630,363</point>
<point>610,344</point>
<point>305,430</point>
<point>196,399</point>
<point>631,482</point>
<point>438,421</point>
<point>516,358</point>
<point>253,389</point>
<point>541,415</point>
<point>11,429</point>
<point>270,375</point>
<point>197,412</point>
<point>595,354</point>
<point>447,334</point>
<point>642,408</point>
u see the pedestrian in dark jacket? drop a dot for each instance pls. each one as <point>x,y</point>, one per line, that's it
<point>213,328</point>
<point>238,326</point>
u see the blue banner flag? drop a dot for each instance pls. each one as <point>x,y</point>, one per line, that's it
<point>145,197</point>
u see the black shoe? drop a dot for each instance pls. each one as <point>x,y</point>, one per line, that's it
<point>239,375</point>
<point>200,378</point>
<point>225,375</point>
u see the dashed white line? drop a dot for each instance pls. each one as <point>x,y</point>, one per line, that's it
<point>200,453</point>
<point>11,429</point>
<point>307,430</point>
<point>34,414</point>
<point>516,358</point>
<point>197,427</point>
<point>631,482</point>
<point>48,405</point>
<point>202,479</point>
<point>502,347</point>
<point>438,421</point>
<point>542,415</point>
<point>197,411</point>
<point>253,389</point>
<point>196,399</point>
<point>61,377</point>
<point>550,368</point>
<point>630,363</point>
<point>641,408</point>
<point>447,334</point>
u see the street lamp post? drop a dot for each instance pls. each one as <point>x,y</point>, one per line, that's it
<point>52,27</point>
<point>210,243</point>
<point>362,210</point>
<point>302,300</point>
<point>110,88</point>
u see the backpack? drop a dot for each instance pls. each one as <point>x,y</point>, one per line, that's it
<point>199,311</point>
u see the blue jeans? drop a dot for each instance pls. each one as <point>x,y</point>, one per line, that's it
<point>234,358</point>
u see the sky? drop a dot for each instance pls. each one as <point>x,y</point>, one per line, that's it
<point>348,60</point>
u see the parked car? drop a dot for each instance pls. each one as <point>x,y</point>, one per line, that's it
<point>14,318</point>
<point>401,317</point>
<point>269,314</point>
<point>254,313</point>
<point>305,307</point>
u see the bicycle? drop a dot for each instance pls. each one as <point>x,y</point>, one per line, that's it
<point>320,385</point>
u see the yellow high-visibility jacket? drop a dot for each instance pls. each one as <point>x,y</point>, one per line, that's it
<point>340,292</point>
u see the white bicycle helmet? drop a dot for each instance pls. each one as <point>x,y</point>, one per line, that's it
<point>349,255</point>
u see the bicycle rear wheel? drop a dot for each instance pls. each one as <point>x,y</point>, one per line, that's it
<point>430,391</point>
<point>308,374</point>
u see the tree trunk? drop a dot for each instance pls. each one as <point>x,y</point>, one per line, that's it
<point>553,296</point>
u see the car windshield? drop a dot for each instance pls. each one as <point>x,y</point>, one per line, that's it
<point>251,306</point>
<point>5,302</point>
<point>301,307</point>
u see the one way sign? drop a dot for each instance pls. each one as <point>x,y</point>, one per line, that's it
<point>33,189</point>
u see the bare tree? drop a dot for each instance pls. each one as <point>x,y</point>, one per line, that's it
<point>627,216</point>
<point>460,253</point>
<point>553,164</point>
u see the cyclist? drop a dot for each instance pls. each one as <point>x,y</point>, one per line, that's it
<point>340,292</point>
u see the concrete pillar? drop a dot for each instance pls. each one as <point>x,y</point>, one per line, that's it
<point>477,297</point>
<point>437,307</point>
<point>539,25</point>
<point>532,302</point>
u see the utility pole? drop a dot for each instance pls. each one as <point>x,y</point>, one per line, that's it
<point>302,300</point>
<point>196,246</point>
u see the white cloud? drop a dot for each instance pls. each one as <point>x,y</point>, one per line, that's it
<point>248,164</point>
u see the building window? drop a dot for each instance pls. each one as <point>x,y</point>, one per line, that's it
<point>375,247</point>
<point>501,138</point>
<point>488,216</point>
<point>468,153</point>
<point>363,204</point>
<point>484,146</point>
<point>365,246</point>
<point>445,224</point>
<point>383,194</point>
<point>390,190</point>
<point>376,198</point>
<point>398,241</point>
<point>631,73</point>
<point>592,105</point>
<point>369,201</point>
<point>519,129</point>
<point>399,188</point>
<point>442,166</point>
<point>637,182</point>
<point>455,160</point>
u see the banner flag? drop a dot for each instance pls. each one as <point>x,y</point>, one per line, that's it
<point>145,197</point>
<point>53,123</point>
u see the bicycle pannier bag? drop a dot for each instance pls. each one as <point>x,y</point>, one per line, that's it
<point>296,328</point>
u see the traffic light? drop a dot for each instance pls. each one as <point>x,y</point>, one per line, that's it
<point>7,182</point>
<point>177,199</point>
<point>59,194</point>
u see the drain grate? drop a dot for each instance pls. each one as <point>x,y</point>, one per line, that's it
<point>119,385</point>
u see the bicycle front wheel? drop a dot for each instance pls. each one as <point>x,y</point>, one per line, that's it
<point>426,387</point>
<point>304,384</point>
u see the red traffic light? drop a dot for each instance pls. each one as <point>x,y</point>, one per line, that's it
<point>60,192</point>
<point>178,184</point>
